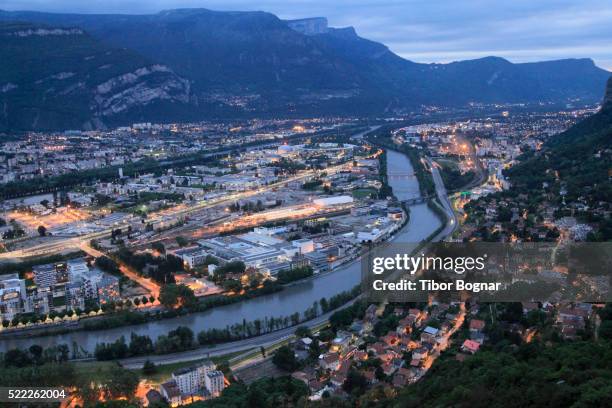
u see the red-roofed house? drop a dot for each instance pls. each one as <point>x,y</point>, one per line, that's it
<point>391,338</point>
<point>470,346</point>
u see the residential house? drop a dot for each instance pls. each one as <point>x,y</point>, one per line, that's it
<point>429,334</point>
<point>330,361</point>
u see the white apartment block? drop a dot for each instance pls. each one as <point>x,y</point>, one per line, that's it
<point>12,294</point>
<point>214,382</point>
<point>191,379</point>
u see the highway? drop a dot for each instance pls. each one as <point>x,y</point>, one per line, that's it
<point>452,222</point>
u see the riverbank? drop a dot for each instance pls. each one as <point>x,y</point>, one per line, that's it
<point>135,316</point>
<point>284,334</point>
<point>298,297</point>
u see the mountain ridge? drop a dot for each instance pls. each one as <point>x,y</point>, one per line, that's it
<point>254,63</point>
<point>56,76</point>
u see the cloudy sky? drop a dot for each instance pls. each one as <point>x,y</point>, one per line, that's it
<point>420,30</point>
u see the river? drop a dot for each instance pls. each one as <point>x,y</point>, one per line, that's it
<point>295,298</point>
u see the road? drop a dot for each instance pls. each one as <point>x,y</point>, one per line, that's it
<point>451,223</point>
<point>76,242</point>
<point>146,283</point>
<point>280,335</point>
<point>444,343</point>
<point>264,340</point>
<point>480,171</point>
<point>223,226</point>
<point>269,339</point>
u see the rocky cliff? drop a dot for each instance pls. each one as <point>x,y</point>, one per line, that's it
<point>54,77</point>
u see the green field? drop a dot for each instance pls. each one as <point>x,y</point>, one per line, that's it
<point>448,164</point>
<point>363,192</point>
<point>98,370</point>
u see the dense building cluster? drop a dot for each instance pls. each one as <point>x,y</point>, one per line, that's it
<point>56,289</point>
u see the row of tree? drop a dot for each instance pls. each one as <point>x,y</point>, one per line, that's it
<point>179,339</point>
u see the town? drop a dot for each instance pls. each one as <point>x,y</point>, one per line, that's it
<point>150,222</point>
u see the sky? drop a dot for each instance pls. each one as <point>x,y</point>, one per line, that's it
<point>419,30</point>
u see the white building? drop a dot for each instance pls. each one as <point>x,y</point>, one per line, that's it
<point>214,382</point>
<point>255,250</point>
<point>190,380</point>
<point>331,201</point>
<point>192,257</point>
<point>304,245</point>
<point>12,294</point>
<point>77,268</point>
<point>45,276</point>
<point>187,380</point>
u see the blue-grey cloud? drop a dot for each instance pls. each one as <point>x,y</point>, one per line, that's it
<point>420,30</point>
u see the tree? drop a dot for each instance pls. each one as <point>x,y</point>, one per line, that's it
<point>513,312</point>
<point>159,404</point>
<point>232,285</point>
<point>326,335</point>
<point>341,318</point>
<point>149,368</point>
<point>256,397</point>
<point>235,267</point>
<point>183,335</point>
<point>302,332</point>
<point>173,296</point>
<point>605,329</point>
<point>36,352</point>
<point>284,358</point>
<point>182,241</point>
<point>380,373</point>
<point>16,358</point>
<point>180,339</point>
<point>324,305</point>
<point>42,230</point>
<point>159,247</point>
<point>140,344</point>
<point>355,382</point>
<point>314,350</point>
<point>121,384</point>
<point>108,265</point>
